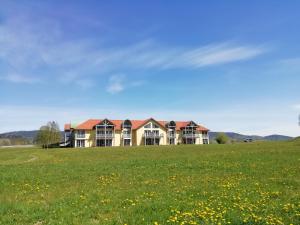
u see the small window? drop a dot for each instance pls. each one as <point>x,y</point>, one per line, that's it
<point>155,125</point>
<point>149,125</point>
<point>81,134</point>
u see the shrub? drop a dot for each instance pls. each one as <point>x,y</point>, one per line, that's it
<point>222,138</point>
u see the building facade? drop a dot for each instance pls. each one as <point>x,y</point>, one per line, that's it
<point>102,133</point>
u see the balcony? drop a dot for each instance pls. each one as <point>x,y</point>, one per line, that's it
<point>104,136</point>
<point>153,135</point>
<point>190,135</point>
<point>171,135</point>
<point>80,136</point>
<point>126,136</point>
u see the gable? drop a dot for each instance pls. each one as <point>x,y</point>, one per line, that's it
<point>152,121</point>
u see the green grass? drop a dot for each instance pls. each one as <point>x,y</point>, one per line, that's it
<point>255,183</point>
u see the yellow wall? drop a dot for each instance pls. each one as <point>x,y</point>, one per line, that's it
<point>117,139</point>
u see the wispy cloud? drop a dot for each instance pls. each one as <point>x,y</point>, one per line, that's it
<point>27,48</point>
<point>220,54</point>
<point>115,84</point>
<point>118,83</point>
<point>17,78</point>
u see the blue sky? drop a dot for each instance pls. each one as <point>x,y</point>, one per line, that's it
<point>230,66</point>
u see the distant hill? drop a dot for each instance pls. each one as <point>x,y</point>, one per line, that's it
<point>30,136</point>
<point>24,137</point>
<point>276,137</point>
<point>241,137</point>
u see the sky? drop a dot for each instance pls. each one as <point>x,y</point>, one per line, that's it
<point>228,65</point>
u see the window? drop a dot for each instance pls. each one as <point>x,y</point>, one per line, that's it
<point>108,142</point>
<point>205,141</point>
<point>189,141</point>
<point>149,125</point>
<point>80,143</point>
<point>155,125</point>
<point>126,142</point>
<point>126,131</point>
<point>171,131</point>
<point>172,141</point>
<point>126,124</point>
<point>152,141</point>
<point>80,134</point>
<point>103,142</point>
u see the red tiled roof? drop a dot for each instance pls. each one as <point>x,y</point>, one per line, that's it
<point>137,123</point>
<point>181,124</point>
<point>89,124</point>
<point>201,128</point>
<point>117,123</point>
<point>67,126</point>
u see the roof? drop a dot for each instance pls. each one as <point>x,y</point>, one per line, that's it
<point>88,125</point>
<point>91,123</point>
<point>69,126</point>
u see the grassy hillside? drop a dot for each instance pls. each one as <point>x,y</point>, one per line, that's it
<point>256,183</point>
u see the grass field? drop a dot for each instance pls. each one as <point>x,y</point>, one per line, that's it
<point>256,183</point>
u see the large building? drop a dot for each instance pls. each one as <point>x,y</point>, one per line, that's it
<point>95,132</point>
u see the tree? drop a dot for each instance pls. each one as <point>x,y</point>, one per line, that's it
<point>222,138</point>
<point>48,135</point>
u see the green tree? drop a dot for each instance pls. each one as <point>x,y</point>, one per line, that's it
<point>222,138</point>
<point>48,135</point>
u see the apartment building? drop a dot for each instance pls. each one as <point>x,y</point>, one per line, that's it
<point>101,133</point>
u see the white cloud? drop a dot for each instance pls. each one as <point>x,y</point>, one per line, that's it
<point>219,54</point>
<point>116,84</point>
<point>17,78</point>
<point>41,48</point>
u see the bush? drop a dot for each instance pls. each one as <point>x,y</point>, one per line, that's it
<point>222,138</point>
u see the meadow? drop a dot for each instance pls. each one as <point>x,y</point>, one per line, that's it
<point>253,183</point>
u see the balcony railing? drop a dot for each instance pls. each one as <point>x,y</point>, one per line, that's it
<point>145,135</point>
<point>126,136</point>
<point>190,135</point>
<point>171,135</point>
<point>104,135</point>
<point>80,136</point>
